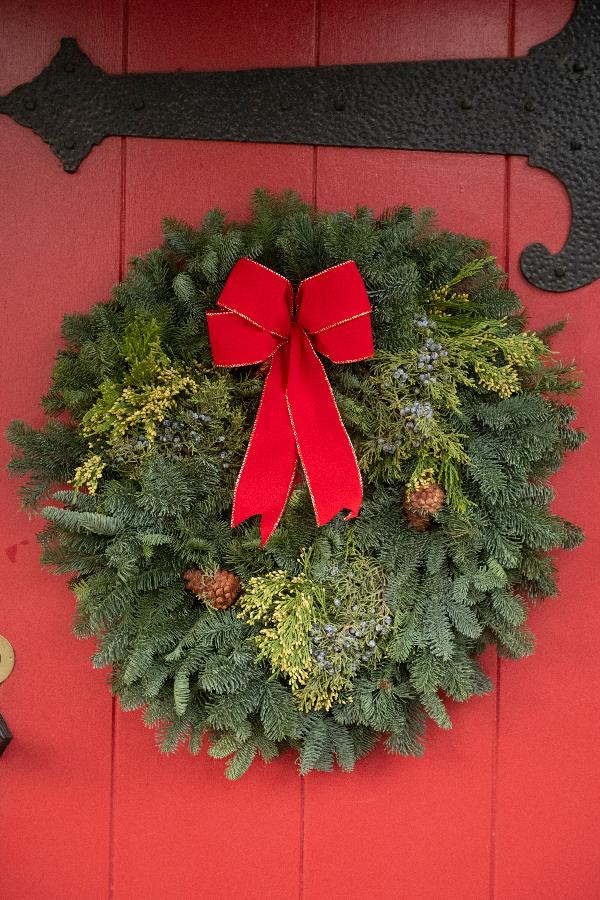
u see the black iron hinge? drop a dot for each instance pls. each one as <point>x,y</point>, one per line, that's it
<point>545,106</point>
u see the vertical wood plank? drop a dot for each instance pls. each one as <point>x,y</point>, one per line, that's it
<point>548,778</point>
<point>402,827</point>
<point>181,830</point>
<point>55,257</point>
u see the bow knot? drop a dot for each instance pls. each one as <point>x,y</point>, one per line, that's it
<point>259,320</point>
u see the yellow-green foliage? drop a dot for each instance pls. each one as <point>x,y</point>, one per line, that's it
<point>89,473</point>
<point>361,617</point>
<point>285,606</point>
<point>124,410</point>
<point>485,355</point>
<point>349,612</point>
<point>476,353</point>
<point>121,410</point>
<point>141,348</point>
<point>149,390</point>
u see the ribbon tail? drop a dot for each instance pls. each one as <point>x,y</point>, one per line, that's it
<point>267,474</point>
<point>325,450</point>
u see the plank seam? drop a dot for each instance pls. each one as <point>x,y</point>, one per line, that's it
<point>315,162</point>
<point>317,62</point>
<point>496,738</point>
<point>301,854</point>
<point>122,230</point>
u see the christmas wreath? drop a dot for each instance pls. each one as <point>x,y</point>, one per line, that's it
<point>384,436</point>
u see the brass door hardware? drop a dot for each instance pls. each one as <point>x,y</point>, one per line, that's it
<point>7,659</point>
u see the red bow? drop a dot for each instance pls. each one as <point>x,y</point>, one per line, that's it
<point>298,415</point>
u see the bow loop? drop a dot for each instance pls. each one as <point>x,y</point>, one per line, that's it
<point>259,295</point>
<point>237,342</point>
<point>332,297</point>
<point>298,416</point>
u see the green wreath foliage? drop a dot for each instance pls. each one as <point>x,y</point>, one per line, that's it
<point>343,633</point>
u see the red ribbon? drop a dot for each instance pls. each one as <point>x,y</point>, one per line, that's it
<point>298,416</point>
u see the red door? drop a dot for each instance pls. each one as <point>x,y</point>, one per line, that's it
<point>503,806</point>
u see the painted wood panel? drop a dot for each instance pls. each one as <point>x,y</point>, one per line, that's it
<point>504,806</point>
<point>59,251</point>
<point>180,829</point>
<point>548,775</point>
<point>417,828</point>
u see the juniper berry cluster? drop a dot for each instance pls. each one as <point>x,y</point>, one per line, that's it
<point>347,647</point>
<point>180,436</point>
<point>429,356</point>
<point>424,322</point>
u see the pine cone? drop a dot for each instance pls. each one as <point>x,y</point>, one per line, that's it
<point>422,504</point>
<point>220,591</point>
<point>427,499</point>
<point>416,520</point>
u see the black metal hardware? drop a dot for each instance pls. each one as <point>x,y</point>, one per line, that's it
<point>5,736</point>
<point>545,106</point>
